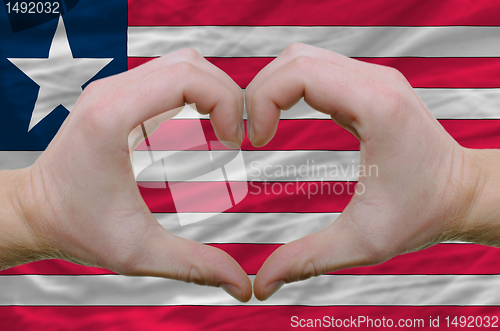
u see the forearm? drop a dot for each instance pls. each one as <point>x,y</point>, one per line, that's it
<point>481,224</point>
<point>17,242</point>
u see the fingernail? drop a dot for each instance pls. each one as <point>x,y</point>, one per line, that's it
<point>250,130</point>
<point>241,132</point>
<point>272,288</point>
<point>232,290</point>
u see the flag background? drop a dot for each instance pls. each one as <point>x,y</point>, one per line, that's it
<point>449,51</point>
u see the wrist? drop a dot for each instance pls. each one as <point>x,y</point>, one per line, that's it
<point>480,221</point>
<point>18,242</point>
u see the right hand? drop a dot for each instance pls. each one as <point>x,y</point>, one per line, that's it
<point>425,185</point>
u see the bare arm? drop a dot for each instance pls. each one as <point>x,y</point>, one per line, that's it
<point>18,243</point>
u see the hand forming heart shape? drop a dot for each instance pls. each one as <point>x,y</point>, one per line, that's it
<point>80,202</point>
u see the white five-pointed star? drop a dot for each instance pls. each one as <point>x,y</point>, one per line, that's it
<point>60,76</point>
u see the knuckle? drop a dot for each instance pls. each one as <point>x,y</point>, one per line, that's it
<point>295,49</point>
<point>98,111</point>
<point>392,98</point>
<point>93,88</point>
<point>181,69</point>
<point>312,268</point>
<point>96,104</point>
<point>192,275</point>
<point>392,101</point>
<point>193,270</point>
<point>189,54</point>
<point>395,74</point>
<point>310,264</point>
<point>304,63</point>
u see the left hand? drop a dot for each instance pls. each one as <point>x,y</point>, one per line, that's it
<point>80,200</point>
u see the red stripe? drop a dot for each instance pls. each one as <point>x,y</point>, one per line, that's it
<point>55,267</point>
<point>241,70</point>
<point>262,197</point>
<point>184,318</point>
<point>420,72</point>
<point>442,259</point>
<point>474,133</point>
<point>177,135</point>
<point>296,12</point>
<point>446,72</point>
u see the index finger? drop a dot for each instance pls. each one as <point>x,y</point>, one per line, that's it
<point>328,88</point>
<point>116,114</point>
<point>298,49</point>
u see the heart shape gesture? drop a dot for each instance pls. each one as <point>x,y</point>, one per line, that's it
<point>80,201</point>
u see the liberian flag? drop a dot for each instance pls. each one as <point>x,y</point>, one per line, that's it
<point>448,50</point>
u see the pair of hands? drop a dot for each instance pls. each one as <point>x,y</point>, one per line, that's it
<point>80,201</point>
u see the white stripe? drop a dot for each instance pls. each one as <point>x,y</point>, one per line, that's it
<point>17,159</point>
<point>378,41</point>
<point>461,103</point>
<point>420,290</point>
<point>248,228</point>
<point>443,103</point>
<point>266,166</point>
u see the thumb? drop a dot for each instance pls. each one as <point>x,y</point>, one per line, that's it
<point>162,254</point>
<point>336,247</point>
